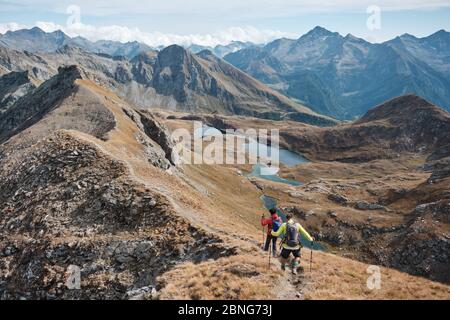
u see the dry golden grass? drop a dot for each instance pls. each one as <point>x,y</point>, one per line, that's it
<point>247,277</point>
<point>235,278</point>
<point>336,278</point>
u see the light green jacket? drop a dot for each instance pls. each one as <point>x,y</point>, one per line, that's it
<point>301,230</point>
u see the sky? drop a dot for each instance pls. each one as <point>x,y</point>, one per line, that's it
<point>212,22</point>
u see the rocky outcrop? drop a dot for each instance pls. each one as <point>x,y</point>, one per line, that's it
<point>440,174</point>
<point>59,103</point>
<point>337,198</point>
<point>439,164</point>
<point>157,137</point>
<point>37,67</point>
<point>420,246</point>
<point>363,205</point>
<point>423,247</point>
<point>66,206</point>
<point>13,86</point>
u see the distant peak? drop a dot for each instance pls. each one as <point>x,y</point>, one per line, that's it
<point>206,54</point>
<point>440,33</point>
<point>173,55</point>
<point>36,30</point>
<point>59,32</point>
<point>407,36</point>
<point>353,38</point>
<point>174,48</point>
<point>319,31</point>
<point>405,106</point>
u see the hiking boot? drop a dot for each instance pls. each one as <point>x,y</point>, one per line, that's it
<point>295,267</point>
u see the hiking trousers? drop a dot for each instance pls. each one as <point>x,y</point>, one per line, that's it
<point>270,239</point>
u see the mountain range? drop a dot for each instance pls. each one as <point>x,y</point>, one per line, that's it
<point>345,76</point>
<point>222,50</point>
<point>36,40</point>
<point>341,77</point>
<point>173,78</point>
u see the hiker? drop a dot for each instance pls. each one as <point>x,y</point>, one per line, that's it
<point>291,243</point>
<point>273,224</point>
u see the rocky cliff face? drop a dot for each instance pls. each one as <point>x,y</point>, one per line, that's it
<point>13,86</point>
<point>439,164</point>
<point>34,106</point>
<point>37,67</point>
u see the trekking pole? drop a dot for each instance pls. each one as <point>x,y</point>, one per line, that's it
<point>264,239</point>
<point>311,258</point>
<point>270,254</point>
<point>263,232</point>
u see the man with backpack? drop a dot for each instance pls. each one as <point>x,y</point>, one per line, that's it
<point>273,224</point>
<point>291,243</point>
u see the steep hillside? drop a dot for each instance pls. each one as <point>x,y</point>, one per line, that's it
<point>37,67</point>
<point>13,86</point>
<point>205,82</point>
<point>71,197</point>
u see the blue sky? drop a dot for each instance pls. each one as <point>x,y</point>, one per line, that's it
<point>210,22</point>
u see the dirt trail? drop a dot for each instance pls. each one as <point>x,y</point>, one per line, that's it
<point>292,287</point>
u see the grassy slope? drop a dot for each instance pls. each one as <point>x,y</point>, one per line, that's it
<point>248,276</point>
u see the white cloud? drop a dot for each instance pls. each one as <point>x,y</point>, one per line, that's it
<point>155,39</point>
<point>12,26</point>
